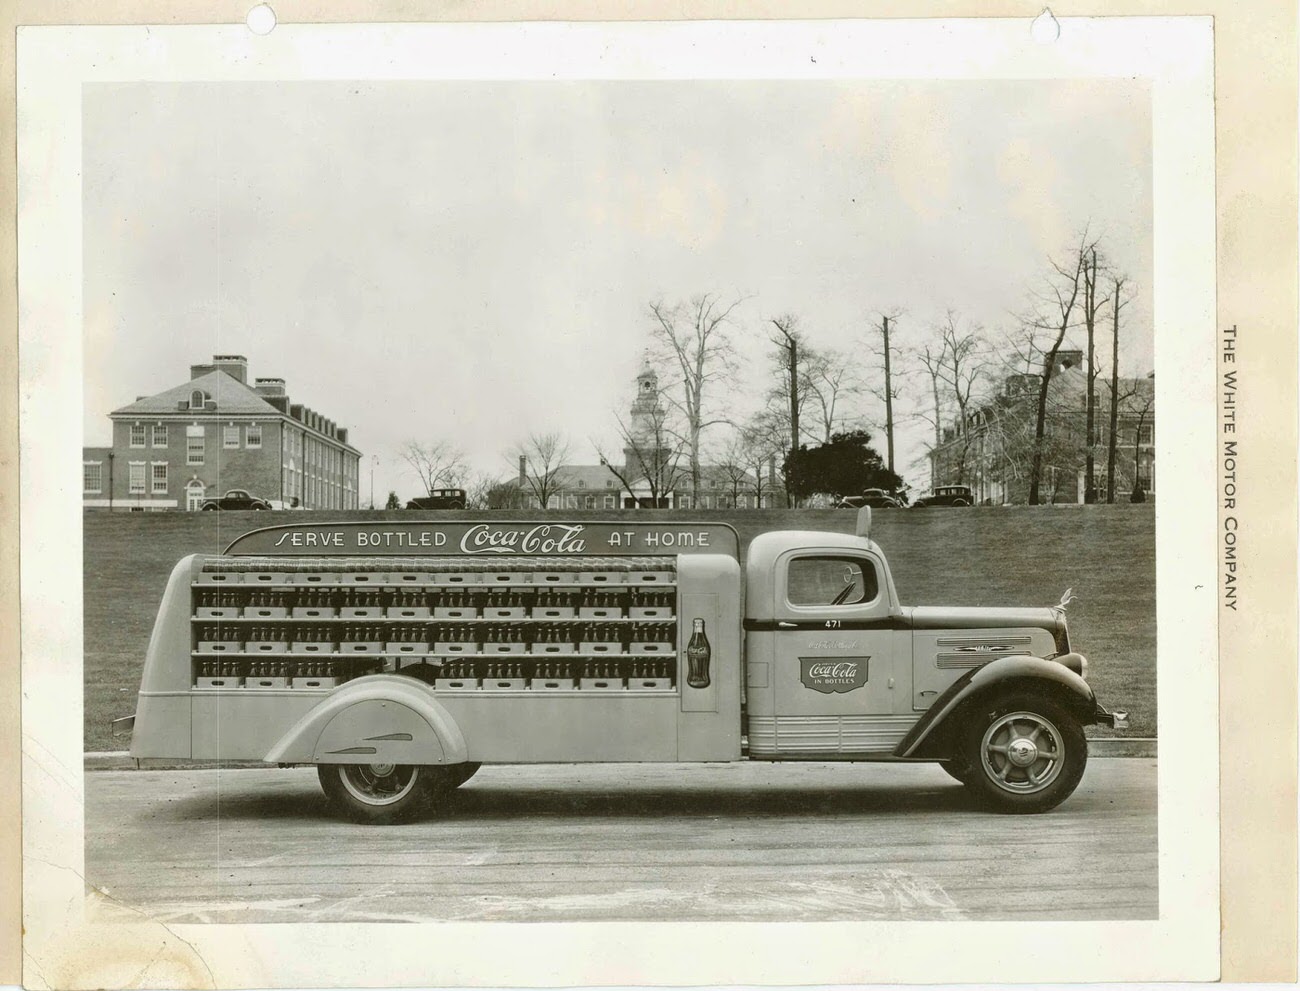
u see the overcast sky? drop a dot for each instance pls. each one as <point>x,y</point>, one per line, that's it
<point>473,261</point>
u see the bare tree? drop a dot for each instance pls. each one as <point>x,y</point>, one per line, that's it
<point>929,356</point>
<point>693,338</point>
<point>1055,315</point>
<point>479,488</point>
<point>733,464</point>
<point>1118,300</point>
<point>762,446</point>
<point>652,454</point>
<point>963,363</point>
<point>1092,305</point>
<point>788,339</point>
<point>829,382</point>
<point>437,464</point>
<point>543,457</point>
<point>1147,401</point>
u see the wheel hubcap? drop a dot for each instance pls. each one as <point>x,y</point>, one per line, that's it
<point>1022,752</point>
<point>378,784</point>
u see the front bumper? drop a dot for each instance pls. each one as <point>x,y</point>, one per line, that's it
<point>1117,719</point>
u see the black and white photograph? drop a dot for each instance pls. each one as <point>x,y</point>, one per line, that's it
<point>646,498</point>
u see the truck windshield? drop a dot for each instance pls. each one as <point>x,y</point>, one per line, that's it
<point>825,581</point>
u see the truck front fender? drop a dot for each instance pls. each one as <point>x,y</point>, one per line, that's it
<point>930,736</point>
<point>377,719</point>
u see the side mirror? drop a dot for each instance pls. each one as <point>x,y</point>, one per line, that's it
<point>864,523</point>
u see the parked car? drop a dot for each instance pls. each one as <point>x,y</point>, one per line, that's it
<point>236,499</point>
<point>875,498</point>
<point>946,495</point>
<point>439,499</point>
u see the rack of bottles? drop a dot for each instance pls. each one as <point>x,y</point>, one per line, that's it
<point>593,632</point>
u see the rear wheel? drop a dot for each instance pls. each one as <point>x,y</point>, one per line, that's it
<point>382,793</point>
<point>1025,754</point>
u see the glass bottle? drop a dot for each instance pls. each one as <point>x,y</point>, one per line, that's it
<point>697,656</point>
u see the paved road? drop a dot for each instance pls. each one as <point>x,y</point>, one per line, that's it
<point>792,842</point>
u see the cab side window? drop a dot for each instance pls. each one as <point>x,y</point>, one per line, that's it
<point>831,581</point>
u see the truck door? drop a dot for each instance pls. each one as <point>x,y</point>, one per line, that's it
<point>835,652</point>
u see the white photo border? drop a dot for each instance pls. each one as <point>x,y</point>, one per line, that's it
<point>70,947</point>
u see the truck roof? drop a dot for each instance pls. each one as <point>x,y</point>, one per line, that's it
<point>766,547</point>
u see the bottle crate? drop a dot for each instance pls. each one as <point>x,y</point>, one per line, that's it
<point>560,649</point>
<point>408,612</point>
<point>218,578</point>
<point>650,647</point>
<point>312,647</point>
<point>209,682</point>
<point>455,647</point>
<point>314,612</point>
<point>409,578</point>
<point>600,612</point>
<point>504,684</point>
<point>554,577</point>
<point>266,612</point>
<point>649,684</point>
<point>456,684</point>
<point>361,647</point>
<point>406,647</point>
<point>362,578</point>
<point>220,646</point>
<point>600,647</point>
<point>310,682</point>
<point>494,647</point>
<point>650,612</point>
<point>313,578</point>
<point>650,578</point>
<point>216,612</point>
<point>553,612</point>
<point>602,577</point>
<point>265,647</point>
<point>361,612</point>
<point>551,684</point>
<point>265,578</point>
<point>504,612</point>
<point>601,684</point>
<point>263,682</point>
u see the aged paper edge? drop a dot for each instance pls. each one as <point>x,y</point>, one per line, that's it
<point>1256,127</point>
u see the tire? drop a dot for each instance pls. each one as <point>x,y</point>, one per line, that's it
<point>382,794</point>
<point>960,502</point>
<point>210,508</point>
<point>1026,754</point>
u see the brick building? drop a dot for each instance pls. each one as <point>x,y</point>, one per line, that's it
<point>991,450</point>
<point>217,432</point>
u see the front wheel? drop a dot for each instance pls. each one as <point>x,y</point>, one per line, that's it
<point>382,793</point>
<point>1025,754</point>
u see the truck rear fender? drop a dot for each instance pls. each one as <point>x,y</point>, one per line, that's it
<point>932,734</point>
<point>376,719</point>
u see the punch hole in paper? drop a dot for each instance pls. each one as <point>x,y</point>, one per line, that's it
<point>1045,28</point>
<point>261,19</point>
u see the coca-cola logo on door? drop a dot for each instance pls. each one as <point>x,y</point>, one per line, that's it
<point>833,675</point>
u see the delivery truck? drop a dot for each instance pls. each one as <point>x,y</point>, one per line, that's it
<point>400,657</point>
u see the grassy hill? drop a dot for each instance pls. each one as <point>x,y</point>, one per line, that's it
<point>961,557</point>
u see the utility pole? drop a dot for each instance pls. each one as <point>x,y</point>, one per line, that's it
<point>889,396</point>
<point>791,347</point>
<point>374,459</point>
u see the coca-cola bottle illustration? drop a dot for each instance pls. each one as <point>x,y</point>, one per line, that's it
<point>697,656</point>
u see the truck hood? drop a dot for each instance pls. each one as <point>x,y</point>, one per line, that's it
<point>982,618</point>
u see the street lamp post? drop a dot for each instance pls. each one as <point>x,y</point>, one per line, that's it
<point>374,460</point>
